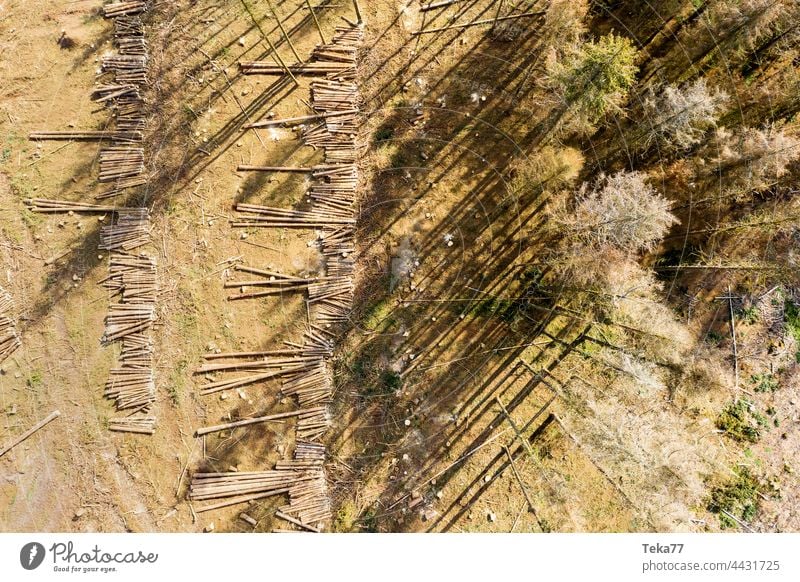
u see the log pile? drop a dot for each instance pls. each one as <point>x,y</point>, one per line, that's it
<point>336,59</point>
<point>290,365</point>
<point>9,340</point>
<point>207,486</point>
<point>118,162</point>
<point>269,217</point>
<point>241,487</point>
<point>268,282</point>
<point>306,417</point>
<point>312,423</point>
<point>132,279</point>
<point>131,230</point>
<point>308,499</point>
<point>311,385</point>
<point>118,9</point>
<point>303,369</point>
<point>121,163</point>
<point>131,274</point>
<point>334,183</point>
<point>331,299</point>
<point>137,424</point>
<point>127,68</point>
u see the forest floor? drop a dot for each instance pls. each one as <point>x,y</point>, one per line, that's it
<point>441,367</point>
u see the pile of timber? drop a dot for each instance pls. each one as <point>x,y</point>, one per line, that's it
<point>332,195</point>
<point>127,68</point>
<point>311,385</point>
<point>303,369</point>
<point>122,184</point>
<point>118,9</point>
<point>137,424</point>
<point>336,59</point>
<point>131,230</point>
<point>269,217</point>
<point>131,385</point>
<point>312,423</point>
<point>290,365</point>
<point>115,91</point>
<point>9,340</point>
<point>132,280</point>
<point>241,487</point>
<point>129,111</point>
<point>131,45</point>
<point>131,388</point>
<point>309,502</point>
<point>125,320</point>
<point>337,246</point>
<point>331,300</point>
<point>334,183</point>
<point>308,418</point>
<point>124,166</point>
<point>132,276</point>
<point>127,27</point>
<point>119,162</point>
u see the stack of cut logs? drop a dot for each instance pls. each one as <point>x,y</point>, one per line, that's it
<point>131,230</point>
<point>308,499</point>
<point>131,274</point>
<point>131,278</point>
<point>334,128</point>
<point>118,162</point>
<point>303,369</point>
<point>296,366</point>
<point>9,340</point>
<point>122,164</point>
<point>302,478</point>
<point>327,290</point>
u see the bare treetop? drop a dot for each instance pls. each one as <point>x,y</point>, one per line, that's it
<point>622,211</point>
<point>679,116</point>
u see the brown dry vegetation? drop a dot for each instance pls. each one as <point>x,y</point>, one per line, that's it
<point>614,364</point>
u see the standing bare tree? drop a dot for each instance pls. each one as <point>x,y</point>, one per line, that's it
<point>751,159</point>
<point>678,117</point>
<point>621,211</point>
<point>736,25</point>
